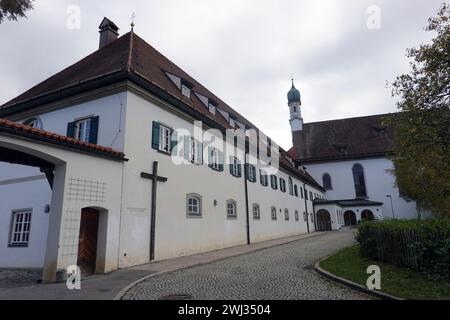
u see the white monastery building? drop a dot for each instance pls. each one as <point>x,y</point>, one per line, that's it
<point>90,172</point>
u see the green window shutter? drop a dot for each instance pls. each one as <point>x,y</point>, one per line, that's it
<point>174,143</point>
<point>239,169</point>
<point>93,133</point>
<point>231,166</point>
<point>71,129</point>
<point>155,135</point>
<point>187,147</point>
<point>221,161</point>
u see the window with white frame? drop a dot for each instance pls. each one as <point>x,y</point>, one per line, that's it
<point>214,158</point>
<point>274,182</point>
<point>231,209</point>
<point>273,213</point>
<point>296,215</point>
<point>185,91</point>
<point>83,129</point>
<point>212,108</point>
<point>282,185</point>
<point>164,139</point>
<point>20,228</point>
<point>286,214</point>
<point>251,173</point>
<point>234,166</point>
<point>263,178</point>
<point>34,122</point>
<point>291,186</point>
<point>256,213</point>
<point>195,151</point>
<point>194,205</point>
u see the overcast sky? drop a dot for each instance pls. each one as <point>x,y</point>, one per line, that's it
<point>242,50</point>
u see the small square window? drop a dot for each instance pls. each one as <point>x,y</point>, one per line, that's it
<point>212,108</point>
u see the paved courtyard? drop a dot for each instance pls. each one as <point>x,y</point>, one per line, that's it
<point>281,272</point>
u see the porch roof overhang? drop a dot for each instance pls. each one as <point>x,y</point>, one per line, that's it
<point>20,131</point>
<point>348,203</point>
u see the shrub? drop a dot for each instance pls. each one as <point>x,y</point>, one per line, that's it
<point>420,245</point>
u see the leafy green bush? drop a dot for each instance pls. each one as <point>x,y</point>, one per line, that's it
<point>420,245</point>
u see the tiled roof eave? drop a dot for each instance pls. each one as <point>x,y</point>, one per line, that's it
<point>10,128</point>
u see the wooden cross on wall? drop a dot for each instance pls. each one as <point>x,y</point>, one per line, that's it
<point>155,179</point>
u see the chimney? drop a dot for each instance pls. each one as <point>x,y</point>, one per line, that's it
<point>108,32</point>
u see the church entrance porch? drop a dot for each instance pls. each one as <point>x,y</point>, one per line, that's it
<point>349,218</point>
<point>323,220</point>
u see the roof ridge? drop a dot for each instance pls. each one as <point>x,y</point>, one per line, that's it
<point>355,117</point>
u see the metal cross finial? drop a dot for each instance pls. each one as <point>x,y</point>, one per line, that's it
<point>133,16</point>
<point>292,79</point>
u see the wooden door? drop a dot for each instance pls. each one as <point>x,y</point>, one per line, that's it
<point>323,220</point>
<point>87,245</point>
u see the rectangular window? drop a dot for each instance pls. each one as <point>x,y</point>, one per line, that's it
<point>83,129</point>
<point>235,167</point>
<point>282,185</point>
<point>231,209</point>
<point>195,151</point>
<point>20,228</point>
<point>301,191</point>
<point>214,158</point>
<point>164,139</point>
<point>193,206</point>
<point>212,108</point>
<point>274,182</point>
<point>311,196</point>
<point>263,178</point>
<point>185,91</point>
<point>251,173</point>
<point>256,214</point>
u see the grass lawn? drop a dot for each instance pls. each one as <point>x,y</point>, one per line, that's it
<point>400,282</point>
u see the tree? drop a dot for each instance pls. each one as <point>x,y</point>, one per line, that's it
<point>13,9</point>
<point>422,127</point>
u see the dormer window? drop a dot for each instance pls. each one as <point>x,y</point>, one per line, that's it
<point>212,108</point>
<point>34,122</point>
<point>232,123</point>
<point>185,91</point>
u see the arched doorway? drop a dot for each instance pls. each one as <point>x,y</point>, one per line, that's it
<point>349,218</point>
<point>323,220</point>
<point>367,215</point>
<point>87,243</point>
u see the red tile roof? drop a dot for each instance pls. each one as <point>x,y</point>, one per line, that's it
<point>357,137</point>
<point>132,56</point>
<point>14,128</point>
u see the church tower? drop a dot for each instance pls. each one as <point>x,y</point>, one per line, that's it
<point>294,103</point>
<point>296,121</point>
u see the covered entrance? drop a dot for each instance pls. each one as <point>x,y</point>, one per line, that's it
<point>87,243</point>
<point>367,215</point>
<point>349,218</point>
<point>323,220</point>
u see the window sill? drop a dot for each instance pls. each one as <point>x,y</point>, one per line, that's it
<point>194,217</point>
<point>18,245</point>
<point>164,152</point>
<point>232,218</point>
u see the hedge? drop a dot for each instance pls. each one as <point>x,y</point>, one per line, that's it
<point>422,245</point>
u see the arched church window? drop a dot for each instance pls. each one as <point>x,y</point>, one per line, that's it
<point>359,180</point>
<point>326,179</point>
